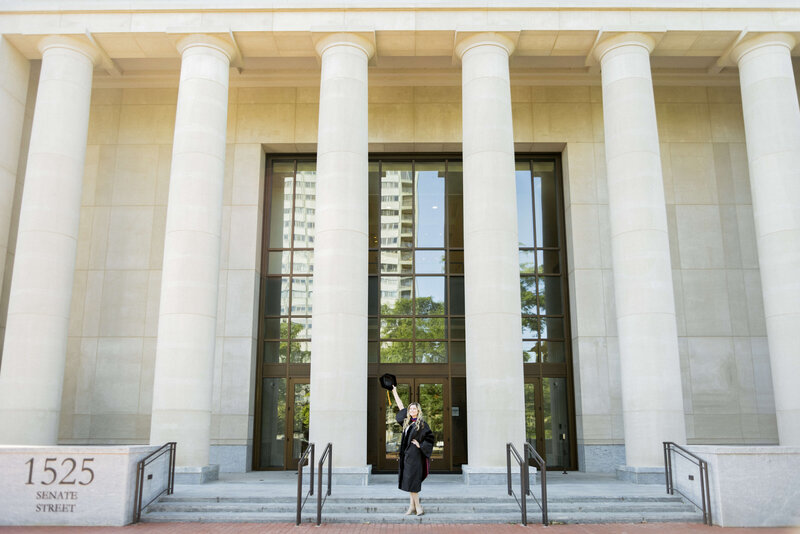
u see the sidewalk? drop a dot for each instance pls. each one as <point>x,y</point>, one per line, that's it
<point>290,528</point>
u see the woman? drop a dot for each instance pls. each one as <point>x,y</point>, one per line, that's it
<point>415,449</point>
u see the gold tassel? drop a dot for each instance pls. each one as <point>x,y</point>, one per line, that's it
<point>388,397</point>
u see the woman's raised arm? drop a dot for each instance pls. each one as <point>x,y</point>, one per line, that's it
<point>397,398</point>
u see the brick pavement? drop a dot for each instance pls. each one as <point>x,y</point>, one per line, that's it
<point>290,528</point>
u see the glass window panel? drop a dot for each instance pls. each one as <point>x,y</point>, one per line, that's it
<point>280,214</point>
<point>396,352</point>
<point>279,262</point>
<point>300,352</point>
<point>530,414</point>
<point>455,205</point>
<point>373,263</point>
<point>544,189</point>
<point>524,206</point>
<point>302,393</point>
<point>372,352</point>
<point>552,327</point>
<point>429,293</point>
<point>429,261</point>
<point>396,206</point>
<point>527,294</point>
<point>374,300</point>
<point>527,261</point>
<point>396,261</point>
<point>548,262</point>
<point>431,328</point>
<point>530,326</point>
<point>529,352</point>
<point>301,328</point>
<point>432,352</point>
<point>394,432</point>
<point>457,295</point>
<point>302,289</point>
<point>430,204</point>
<point>273,422</point>
<point>374,205</point>
<point>303,261</point>
<point>457,261</point>
<point>397,328</point>
<point>458,352</point>
<point>554,406</point>
<point>552,351</point>
<point>305,203</point>
<point>431,400</point>
<point>373,331</point>
<point>550,295</point>
<point>272,353</point>
<point>277,296</point>
<point>396,295</point>
<point>274,327</point>
<point>457,329</point>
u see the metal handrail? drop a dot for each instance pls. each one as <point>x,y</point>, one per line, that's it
<point>530,453</point>
<point>705,489</point>
<point>170,448</point>
<point>326,454</point>
<point>300,463</point>
<point>523,479</point>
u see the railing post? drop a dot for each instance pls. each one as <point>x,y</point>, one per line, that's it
<point>508,467</point>
<point>522,486</point>
<point>299,487</point>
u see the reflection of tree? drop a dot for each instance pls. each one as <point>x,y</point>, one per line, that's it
<point>297,353</point>
<point>403,328</point>
<point>430,398</point>
<point>531,303</point>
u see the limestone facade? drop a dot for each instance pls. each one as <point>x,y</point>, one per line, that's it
<point>415,103</point>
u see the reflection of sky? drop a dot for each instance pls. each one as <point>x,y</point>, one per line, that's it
<point>429,261</point>
<point>524,208</point>
<point>430,286</point>
<point>430,209</point>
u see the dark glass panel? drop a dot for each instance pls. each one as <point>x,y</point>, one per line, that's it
<point>457,295</point>
<point>273,422</point>
<point>277,296</point>
<point>550,295</point>
<point>458,352</point>
<point>544,188</point>
<point>552,328</point>
<point>374,299</point>
<point>372,352</point>
<point>373,263</point>
<point>429,182</point>
<point>530,414</point>
<point>554,406</point>
<point>456,262</point>
<point>455,205</point>
<point>548,262</point>
<point>552,351</point>
<point>374,205</point>
<point>272,353</point>
<point>457,328</point>
<point>274,327</point>
<point>373,331</point>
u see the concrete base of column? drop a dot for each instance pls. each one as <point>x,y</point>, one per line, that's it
<point>196,474</point>
<point>342,476</point>
<point>641,475</point>
<point>494,476</point>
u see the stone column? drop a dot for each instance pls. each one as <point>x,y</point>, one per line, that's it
<point>495,384</point>
<point>772,130</point>
<point>339,338</point>
<point>652,401</point>
<point>35,347</point>
<point>14,74</point>
<point>188,309</point>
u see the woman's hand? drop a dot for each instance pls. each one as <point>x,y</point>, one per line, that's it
<point>415,442</point>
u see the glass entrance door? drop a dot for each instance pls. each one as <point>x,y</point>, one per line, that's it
<point>432,394</point>
<point>547,420</point>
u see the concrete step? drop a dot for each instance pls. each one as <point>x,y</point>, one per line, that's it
<point>429,517</point>
<point>176,498</point>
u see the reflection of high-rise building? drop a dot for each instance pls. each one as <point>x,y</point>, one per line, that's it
<point>396,231</point>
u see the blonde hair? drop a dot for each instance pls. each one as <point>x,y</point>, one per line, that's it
<point>420,417</point>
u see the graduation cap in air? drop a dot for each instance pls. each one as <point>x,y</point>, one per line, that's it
<point>388,381</point>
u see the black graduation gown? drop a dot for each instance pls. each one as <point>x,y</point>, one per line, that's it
<point>412,459</point>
